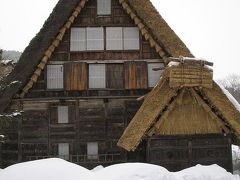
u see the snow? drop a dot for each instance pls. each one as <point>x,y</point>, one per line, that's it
<point>57,169</point>
<point>6,62</point>
<point>230,97</point>
<point>13,114</point>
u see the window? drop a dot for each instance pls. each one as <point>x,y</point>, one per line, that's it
<point>131,38</point>
<point>103,7</point>
<point>122,38</point>
<point>153,75</point>
<point>78,39</point>
<point>63,151</point>
<point>114,38</point>
<point>92,150</point>
<point>63,114</point>
<point>97,76</point>
<point>95,39</point>
<point>87,39</point>
<point>55,77</point>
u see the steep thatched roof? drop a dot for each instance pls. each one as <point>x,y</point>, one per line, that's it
<point>184,102</point>
<point>40,49</point>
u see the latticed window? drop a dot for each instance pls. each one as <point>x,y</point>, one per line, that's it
<point>153,74</point>
<point>92,150</point>
<point>55,77</point>
<point>130,38</point>
<point>97,76</point>
<point>63,151</point>
<point>63,114</point>
<point>103,7</point>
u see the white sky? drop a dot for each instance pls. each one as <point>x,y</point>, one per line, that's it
<point>210,28</point>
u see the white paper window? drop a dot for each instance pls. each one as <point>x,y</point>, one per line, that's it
<point>78,39</point>
<point>97,76</point>
<point>95,38</point>
<point>131,38</point>
<point>114,38</point>
<point>153,75</point>
<point>92,150</point>
<point>63,114</point>
<point>103,7</point>
<point>63,151</point>
<point>55,77</point>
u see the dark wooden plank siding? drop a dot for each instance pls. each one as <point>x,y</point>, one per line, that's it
<point>135,75</point>
<point>75,76</point>
<point>115,76</point>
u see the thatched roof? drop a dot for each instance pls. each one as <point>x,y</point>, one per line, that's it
<point>188,105</point>
<point>40,49</point>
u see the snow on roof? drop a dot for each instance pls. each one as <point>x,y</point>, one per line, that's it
<point>6,62</point>
<point>230,97</point>
<point>57,169</point>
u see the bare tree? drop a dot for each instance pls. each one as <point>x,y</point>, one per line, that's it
<point>232,84</point>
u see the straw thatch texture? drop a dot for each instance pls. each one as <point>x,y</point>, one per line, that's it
<point>188,115</point>
<point>153,105</point>
<point>160,29</point>
<point>221,102</point>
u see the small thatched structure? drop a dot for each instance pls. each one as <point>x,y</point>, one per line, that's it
<point>186,101</point>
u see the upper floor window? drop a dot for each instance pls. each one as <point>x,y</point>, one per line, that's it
<point>55,77</point>
<point>97,76</point>
<point>63,151</point>
<point>103,7</point>
<point>92,150</point>
<point>153,74</point>
<point>92,38</point>
<point>122,38</point>
<point>87,39</point>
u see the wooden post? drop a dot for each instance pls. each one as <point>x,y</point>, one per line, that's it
<point>189,152</point>
<point>20,139</point>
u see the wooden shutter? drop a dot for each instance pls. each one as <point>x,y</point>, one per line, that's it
<point>54,76</point>
<point>72,114</point>
<point>131,38</point>
<point>97,76</point>
<point>95,38</point>
<point>154,76</point>
<point>53,115</point>
<point>78,39</point>
<point>75,76</point>
<point>114,38</point>
<point>115,76</point>
<point>103,7</point>
<point>135,75</point>
<point>63,114</point>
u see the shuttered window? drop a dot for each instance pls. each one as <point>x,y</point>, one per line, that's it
<point>55,77</point>
<point>92,150</point>
<point>75,76</point>
<point>114,38</point>
<point>63,151</point>
<point>131,38</point>
<point>97,76</point>
<point>78,39</point>
<point>63,114</point>
<point>103,7</point>
<point>153,75</point>
<point>95,38</point>
<point>136,75</point>
<point>115,76</point>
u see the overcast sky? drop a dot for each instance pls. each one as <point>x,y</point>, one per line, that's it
<point>210,28</point>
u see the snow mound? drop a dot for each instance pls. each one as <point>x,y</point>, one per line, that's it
<point>199,172</point>
<point>48,169</point>
<point>134,171</point>
<point>57,169</point>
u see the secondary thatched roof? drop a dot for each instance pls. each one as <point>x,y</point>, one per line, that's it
<point>40,49</point>
<point>186,102</point>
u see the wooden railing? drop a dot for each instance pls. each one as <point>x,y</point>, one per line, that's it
<point>79,159</point>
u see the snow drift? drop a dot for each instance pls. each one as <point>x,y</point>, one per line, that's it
<point>57,169</point>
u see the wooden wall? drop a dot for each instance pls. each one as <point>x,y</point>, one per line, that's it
<point>180,152</point>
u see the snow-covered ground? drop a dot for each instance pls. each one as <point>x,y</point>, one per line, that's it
<point>57,169</point>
